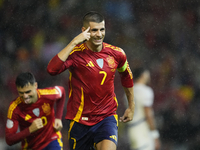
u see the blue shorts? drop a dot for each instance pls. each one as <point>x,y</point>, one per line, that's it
<point>55,145</point>
<point>82,137</point>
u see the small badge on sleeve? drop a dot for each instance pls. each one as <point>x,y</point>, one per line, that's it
<point>9,123</point>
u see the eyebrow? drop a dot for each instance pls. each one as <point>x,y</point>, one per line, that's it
<point>25,92</point>
<point>95,29</point>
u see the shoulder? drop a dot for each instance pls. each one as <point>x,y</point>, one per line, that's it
<point>48,91</point>
<point>113,48</point>
<point>78,48</point>
<point>12,107</point>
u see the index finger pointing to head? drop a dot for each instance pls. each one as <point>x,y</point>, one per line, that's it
<point>87,29</point>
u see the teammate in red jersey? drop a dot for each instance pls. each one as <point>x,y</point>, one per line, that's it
<point>33,113</point>
<point>92,103</point>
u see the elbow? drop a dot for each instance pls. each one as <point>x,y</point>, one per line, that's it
<point>9,142</point>
<point>50,71</point>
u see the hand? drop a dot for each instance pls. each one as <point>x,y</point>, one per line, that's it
<point>84,36</point>
<point>128,116</point>
<point>157,144</point>
<point>36,125</point>
<point>58,124</point>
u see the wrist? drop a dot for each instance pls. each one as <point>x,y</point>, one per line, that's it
<point>155,134</point>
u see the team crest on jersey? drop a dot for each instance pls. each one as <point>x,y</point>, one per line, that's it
<point>111,61</point>
<point>46,108</point>
<point>100,63</point>
<point>36,112</point>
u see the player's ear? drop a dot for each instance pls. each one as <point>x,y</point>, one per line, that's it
<point>36,85</point>
<point>83,29</point>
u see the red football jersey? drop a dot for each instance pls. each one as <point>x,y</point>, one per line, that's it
<point>21,115</point>
<point>91,81</point>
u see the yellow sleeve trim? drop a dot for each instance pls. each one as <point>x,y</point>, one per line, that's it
<point>13,106</point>
<point>78,48</point>
<point>123,68</point>
<point>48,91</point>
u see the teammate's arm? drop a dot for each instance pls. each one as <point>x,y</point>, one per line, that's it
<point>58,124</point>
<point>59,109</point>
<point>13,137</point>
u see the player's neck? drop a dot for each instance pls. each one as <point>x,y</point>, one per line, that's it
<point>94,48</point>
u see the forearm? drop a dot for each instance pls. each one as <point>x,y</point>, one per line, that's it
<point>64,53</point>
<point>129,112</point>
<point>60,104</point>
<point>130,97</point>
<point>55,65</point>
<point>84,36</point>
<point>150,118</point>
<point>151,122</point>
<point>13,138</point>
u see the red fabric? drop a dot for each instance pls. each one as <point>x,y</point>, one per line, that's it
<point>54,65</point>
<point>91,83</point>
<point>22,115</point>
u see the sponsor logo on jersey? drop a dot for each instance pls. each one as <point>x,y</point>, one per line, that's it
<point>90,64</point>
<point>27,117</point>
<point>46,108</point>
<point>36,112</point>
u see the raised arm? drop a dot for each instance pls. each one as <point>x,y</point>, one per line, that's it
<point>56,63</point>
<point>85,35</point>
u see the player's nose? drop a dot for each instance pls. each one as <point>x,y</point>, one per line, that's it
<point>25,95</point>
<point>99,33</point>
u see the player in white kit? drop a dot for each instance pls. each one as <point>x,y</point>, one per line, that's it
<point>142,131</point>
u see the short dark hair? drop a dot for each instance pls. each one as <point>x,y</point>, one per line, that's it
<point>138,72</point>
<point>92,16</point>
<point>24,78</point>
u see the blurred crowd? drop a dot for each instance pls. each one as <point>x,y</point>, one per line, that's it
<point>161,35</point>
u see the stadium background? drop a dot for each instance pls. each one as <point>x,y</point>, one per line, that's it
<point>163,35</point>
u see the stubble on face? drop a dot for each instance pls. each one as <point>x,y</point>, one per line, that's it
<point>28,93</point>
<point>97,31</point>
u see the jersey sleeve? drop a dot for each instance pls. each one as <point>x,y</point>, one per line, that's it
<point>148,97</point>
<point>125,71</point>
<point>12,134</point>
<point>57,66</point>
<point>60,102</point>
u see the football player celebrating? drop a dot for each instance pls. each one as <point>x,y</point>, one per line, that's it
<point>33,113</point>
<point>92,105</point>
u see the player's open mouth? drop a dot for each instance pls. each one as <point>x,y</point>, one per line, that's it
<point>27,101</point>
<point>97,40</point>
